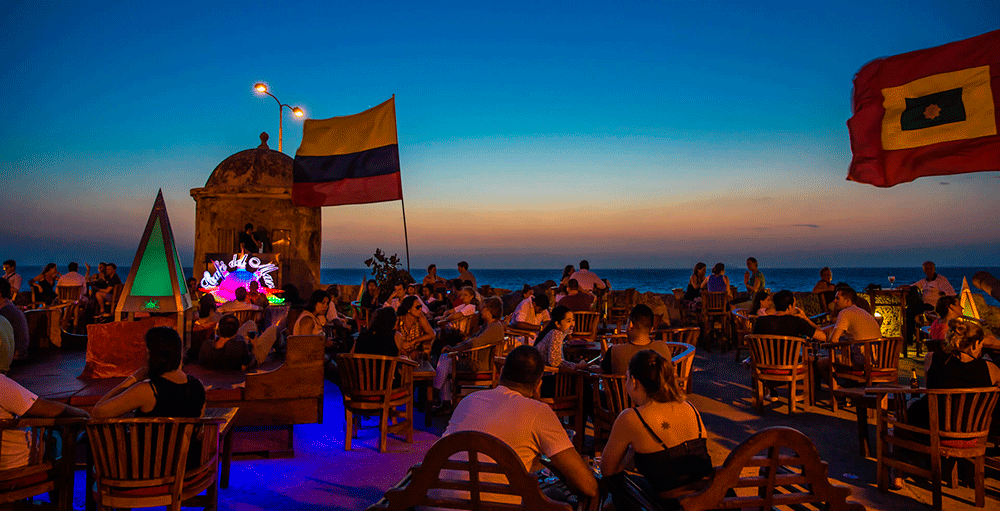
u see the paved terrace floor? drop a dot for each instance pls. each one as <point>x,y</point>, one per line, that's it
<point>324,476</point>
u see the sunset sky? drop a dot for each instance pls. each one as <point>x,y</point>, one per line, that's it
<point>531,135</point>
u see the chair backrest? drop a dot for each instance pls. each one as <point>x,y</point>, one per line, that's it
<point>586,325</point>
<point>776,351</point>
<point>683,359</point>
<point>615,399</point>
<point>246,315</point>
<point>48,468</point>
<point>69,293</point>
<point>686,335</point>
<point>149,453</point>
<point>744,325</point>
<point>609,340</point>
<point>480,466</point>
<point>364,377</point>
<point>713,302</point>
<point>884,353</point>
<point>782,457</point>
<point>467,363</point>
<point>956,414</point>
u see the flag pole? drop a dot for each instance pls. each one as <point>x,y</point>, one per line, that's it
<point>402,202</point>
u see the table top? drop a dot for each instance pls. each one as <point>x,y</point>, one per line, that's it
<point>226,413</point>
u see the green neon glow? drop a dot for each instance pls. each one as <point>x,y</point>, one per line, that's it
<point>153,276</point>
<point>152,304</point>
<point>274,300</point>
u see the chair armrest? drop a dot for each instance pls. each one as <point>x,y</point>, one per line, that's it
<point>895,390</point>
<point>840,344</point>
<point>407,362</point>
<point>33,422</point>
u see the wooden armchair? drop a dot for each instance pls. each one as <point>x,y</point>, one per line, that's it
<point>610,399</point>
<point>881,363</point>
<point>144,462</point>
<point>743,321</point>
<point>609,340</point>
<point>473,370</point>
<point>567,401</point>
<point>247,315</point>
<point>783,359</point>
<point>959,427</point>
<point>48,469</point>
<point>366,382</point>
<point>469,470</point>
<point>714,307</point>
<point>683,359</point>
<point>686,335</point>
<point>361,315</point>
<point>586,326</point>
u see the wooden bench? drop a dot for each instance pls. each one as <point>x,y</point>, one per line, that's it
<point>790,474</point>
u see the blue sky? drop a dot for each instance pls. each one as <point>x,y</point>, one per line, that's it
<point>531,134</point>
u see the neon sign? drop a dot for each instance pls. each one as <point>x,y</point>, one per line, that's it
<point>240,272</point>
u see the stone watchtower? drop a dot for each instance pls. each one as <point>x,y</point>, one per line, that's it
<point>255,186</point>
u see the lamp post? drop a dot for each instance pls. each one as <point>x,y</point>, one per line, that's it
<point>296,111</point>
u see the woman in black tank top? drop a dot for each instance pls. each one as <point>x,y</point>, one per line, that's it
<point>663,430</point>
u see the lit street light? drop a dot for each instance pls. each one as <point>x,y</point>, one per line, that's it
<point>296,111</point>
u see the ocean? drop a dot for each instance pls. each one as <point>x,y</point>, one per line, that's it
<point>662,280</point>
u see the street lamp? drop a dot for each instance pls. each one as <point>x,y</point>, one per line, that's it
<point>296,111</point>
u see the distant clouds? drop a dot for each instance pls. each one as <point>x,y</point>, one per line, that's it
<point>944,183</point>
<point>811,226</point>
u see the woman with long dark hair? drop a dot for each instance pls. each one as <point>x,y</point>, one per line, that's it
<point>381,337</point>
<point>695,282</point>
<point>662,429</point>
<point>45,284</point>
<point>414,327</point>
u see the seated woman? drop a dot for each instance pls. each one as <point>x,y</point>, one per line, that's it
<point>551,345</point>
<point>717,281</point>
<point>370,296</point>
<point>825,290</point>
<point>313,318</point>
<point>762,304</point>
<point>160,388</point>
<point>381,337</point>
<point>662,430</point>
<point>44,284</point>
<point>695,282</point>
<point>229,350</point>
<point>416,330</point>
<point>492,332</point>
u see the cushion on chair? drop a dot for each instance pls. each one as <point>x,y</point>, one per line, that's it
<point>875,374</point>
<point>24,481</point>
<point>562,405</point>
<point>398,394</point>
<point>961,443</point>
<point>163,489</point>
<point>475,376</point>
<point>784,371</point>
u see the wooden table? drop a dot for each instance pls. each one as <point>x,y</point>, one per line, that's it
<point>423,380</point>
<point>863,402</point>
<point>575,351</point>
<point>226,437</point>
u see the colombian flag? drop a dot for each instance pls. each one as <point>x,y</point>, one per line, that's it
<point>928,112</point>
<point>348,160</point>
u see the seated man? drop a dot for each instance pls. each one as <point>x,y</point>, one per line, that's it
<point>18,322</point>
<point>229,350</point>
<point>588,280</point>
<point>575,299</point>
<point>398,293</point>
<point>490,333</point>
<point>511,413</point>
<point>640,322</point>
<point>17,401</point>
<point>11,276</point>
<point>73,278</point>
<point>853,324</point>
<point>105,289</point>
<point>788,320</point>
<point>531,313</point>
<point>239,303</point>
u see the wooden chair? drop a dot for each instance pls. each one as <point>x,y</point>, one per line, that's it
<point>786,472</point>
<point>48,469</point>
<point>881,363</point>
<point>779,358</point>
<point>686,334</point>
<point>683,359</point>
<point>246,315</point>
<point>361,315</point>
<point>586,326</point>
<point>366,382</point>
<point>567,401</point>
<point>473,370</point>
<point>481,466</point>
<point>609,340</point>
<point>714,306</point>
<point>610,399</point>
<point>144,462</point>
<point>743,321</point>
<point>959,426</point>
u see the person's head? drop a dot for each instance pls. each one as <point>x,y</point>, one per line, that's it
<point>846,297</point>
<point>584,265</point>
<point>568,270</point>
<point>758,301</point>
<point>50,269</point>
<point>206,305</point>
<point>463,266</point>
<point>164,347</point>
<point>102,267</point>
<point>72,266</point>
<point>254,286</point>
<point>561,318</point>
<point>248,228</point>
<point>426,291</point>
<point>5,289</point>
<point>372,287</point>
<point>783,301</point>
<point>718,269</point>
<point>110,269</point>
<point>9,266</point>
<point>699,269</point>
<point>411,289</point>
<point>540,301</point>
<point>527,291</point>
<point>192,283</point>
<point>522,370</point>
<point>751,264</point>
<point>640,319</point>
<point>929,269</point>
<point>241,294</point>
<point>492,309</point>
<point>655,376</point>
<point>826,274</point>
<point>432,269</point>
<point>398,289</point>
<point>948,307</point>
<point>409,305</point>
<point>573,286</point>
<point>383,321</point>
<point>965,337</point>
<point>228,326</point>
<point>319,303</point>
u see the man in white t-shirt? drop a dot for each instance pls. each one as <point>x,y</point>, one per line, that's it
<point>511,413</point>
<point>853,324</point>
<point>588,280</point>
<point>531,313</point>
<point>933,286</point>
<point>15,402</point>
<point>73,278</point>
<point>239,303</point>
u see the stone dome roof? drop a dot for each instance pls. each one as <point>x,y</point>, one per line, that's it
<point>259,167</point>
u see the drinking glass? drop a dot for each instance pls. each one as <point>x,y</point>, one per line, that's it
<point>892,280</point>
